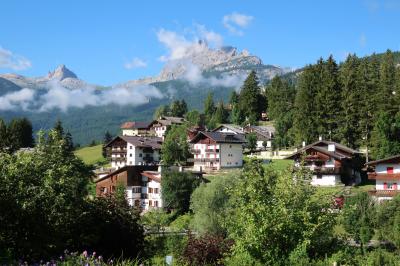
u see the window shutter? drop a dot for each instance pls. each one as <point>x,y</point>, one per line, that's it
<point>395,186</point>
<point>389,170</point>
<point>385,185</point>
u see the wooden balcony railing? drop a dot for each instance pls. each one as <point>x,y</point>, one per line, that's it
<point>118,159</point>
<point>384,193</point>
<point>326,170</point>
<point>212,150</point>
<point>203,160</point>
<point>195,151</point>
<point>376,176</point>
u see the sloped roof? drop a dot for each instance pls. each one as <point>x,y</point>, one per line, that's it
<point>154,175</point>
<point>169,120</point>
<point>322,146</point>
<point>235,128</point>
<point>220,137</point>
<point>135,125</point>
<point>395,158</point>
<point>138,141</point>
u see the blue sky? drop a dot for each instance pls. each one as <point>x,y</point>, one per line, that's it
<point>106,42</point>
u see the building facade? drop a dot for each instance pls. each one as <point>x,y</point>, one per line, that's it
<point>134,150</point>
<point>264,134</point>
<point>216,150</point>
<point>331,163</point>
<point>137,129</point>
<point>161,125</point>
<point>386,173</point>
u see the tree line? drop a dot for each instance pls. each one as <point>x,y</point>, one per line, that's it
<point>16,134</point>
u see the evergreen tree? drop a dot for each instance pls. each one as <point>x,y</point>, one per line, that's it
<point>304,122</point>
<point>221,114</point>
<point>4,143</point>
<point>107,138</point>
<point>387,84</point>
<point>162,110</point>
<point>178,108</point>
<point>386,136</point>
<point>68,142</point>
<point>350,104</point>
<point>209,109</point>
<point>328,99</point>
<point>59,128</point>
<point>251,102</point>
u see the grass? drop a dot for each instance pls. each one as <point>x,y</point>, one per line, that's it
<point>91,155</point>
<point>280,164</point>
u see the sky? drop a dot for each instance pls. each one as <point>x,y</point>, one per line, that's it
<point>108,42</point>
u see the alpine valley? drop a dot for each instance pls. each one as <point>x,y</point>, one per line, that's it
<point>88,110</point>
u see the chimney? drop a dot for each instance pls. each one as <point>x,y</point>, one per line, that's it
<point>320,138</point>
<point>331,147</point>
<point>304,143</point>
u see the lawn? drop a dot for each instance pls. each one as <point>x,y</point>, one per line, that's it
<point>280,164</point>
<point>91,155</point>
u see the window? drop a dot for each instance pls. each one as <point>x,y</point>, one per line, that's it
<point>150,203</point>
<point>156,190</point>
<point>156,203</point>
<point>140,155</point>
<point>389,185</point>
<point>137,190</point>
<point>230,146</point>
<point>389,170</point>
<point>130,147</point>
<point>130,154</point>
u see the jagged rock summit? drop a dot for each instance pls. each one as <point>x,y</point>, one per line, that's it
<point>60,73</point>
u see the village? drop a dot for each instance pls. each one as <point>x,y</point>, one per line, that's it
<point>136,161</point>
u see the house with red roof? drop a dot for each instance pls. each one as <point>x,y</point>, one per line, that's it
<point>386,173</point>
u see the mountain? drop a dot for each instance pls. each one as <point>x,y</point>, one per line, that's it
<point>88,110</point>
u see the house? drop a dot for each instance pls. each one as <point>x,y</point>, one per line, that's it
<point>134,150</point>
<point>161,125</point>
<point>229,128</point>
<point>264,134</point>
<point>137,128</point>
<point>386,173</point>
<point>216,150</point>
<point>142,184</point>
<point>331,163</point>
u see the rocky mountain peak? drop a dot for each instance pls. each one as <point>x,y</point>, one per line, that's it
<point>60,73</point>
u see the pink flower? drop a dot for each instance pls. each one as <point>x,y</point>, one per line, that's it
<point>85,254</point>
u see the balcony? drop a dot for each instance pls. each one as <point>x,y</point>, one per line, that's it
<point>376,176</point>
<point>203,160</point>
<point>325,170</point>
<point>195,151</point>
<point>148,158</point>
<point>118,151</point>
<point>144,196</point>
<point>384,193</point>
<point>212,150</point>
<point>118,159</point>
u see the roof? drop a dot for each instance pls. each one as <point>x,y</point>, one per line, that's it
<point>139,141</point>
<point>169,120</point>
<point>153,175</point>
<point>135,125</point>
<point>124,169</point>
<point>220,137</point>
<point>322,146</point>
<point>235,128</point>
<point>388,159</point>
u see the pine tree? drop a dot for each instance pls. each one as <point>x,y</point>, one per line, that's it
<point>350,116</point>
<point>209,109</point>
<point>107,138</point>
<point>304,122</point>
<point>328,100</point>
<point>251,102</point>
<point>387,84</point>
<point>69,143</point>
<point>4,142</point>
<point>386,135</point>
<point>221,114</point>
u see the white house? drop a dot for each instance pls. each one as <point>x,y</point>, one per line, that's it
<point>264,134</point>
<point>331,163</point>
<point>134,150</point>
<point>216,150</point>
<point>386,173</point>
<point>161,125</point>
<point>151,190</point>
<point>137,128</point>
<point>229,128</point>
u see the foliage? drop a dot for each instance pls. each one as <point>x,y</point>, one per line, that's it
<point>178,108</point>
<point>386,135</point>
<point>209,109</point>
<point>388,221</point>
<point>209,204</point>
<point>91,155</point>
<point>177,188</point>
<point>251,141</point>
<point>194,118</point>
<point>274,214</point>
<point>175,148</point>
<point>251,102</point>
<point>206,250</point>
<point>358,217</point>
<point>221,114</point>
<point>17,134</point>
<point>156,220</point>
<point>107,138</point>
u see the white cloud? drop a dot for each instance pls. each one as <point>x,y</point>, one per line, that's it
<point>55,96</point>
<point>135,63</point>
<point>180,46</point>
<point>21,99</point>
<point>13,61</point>
<point>235,22</point>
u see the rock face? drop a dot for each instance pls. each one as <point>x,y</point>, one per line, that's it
<point>60,73</point>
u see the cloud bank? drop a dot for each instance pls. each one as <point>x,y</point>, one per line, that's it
<point>13,61</point>
<point>56,96</point>
<point>135,63</point>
